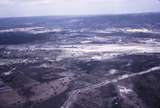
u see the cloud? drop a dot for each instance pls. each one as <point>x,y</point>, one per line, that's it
<point>49,2</point>
<point>8,2</point>
<point>5,2</point>
<point>13,2</point>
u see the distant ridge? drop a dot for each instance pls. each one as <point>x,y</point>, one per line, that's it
<point>58,16</point>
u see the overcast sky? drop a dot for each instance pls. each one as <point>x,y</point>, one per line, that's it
<point>10,8</point>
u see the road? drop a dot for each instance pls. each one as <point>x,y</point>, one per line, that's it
<point>74,95</point>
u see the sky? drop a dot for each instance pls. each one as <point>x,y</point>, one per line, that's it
<point>17,8</point>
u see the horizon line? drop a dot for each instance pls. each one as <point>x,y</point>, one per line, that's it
<point>80,15</point>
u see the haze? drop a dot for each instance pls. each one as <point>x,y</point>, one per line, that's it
<point>12,8</point>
